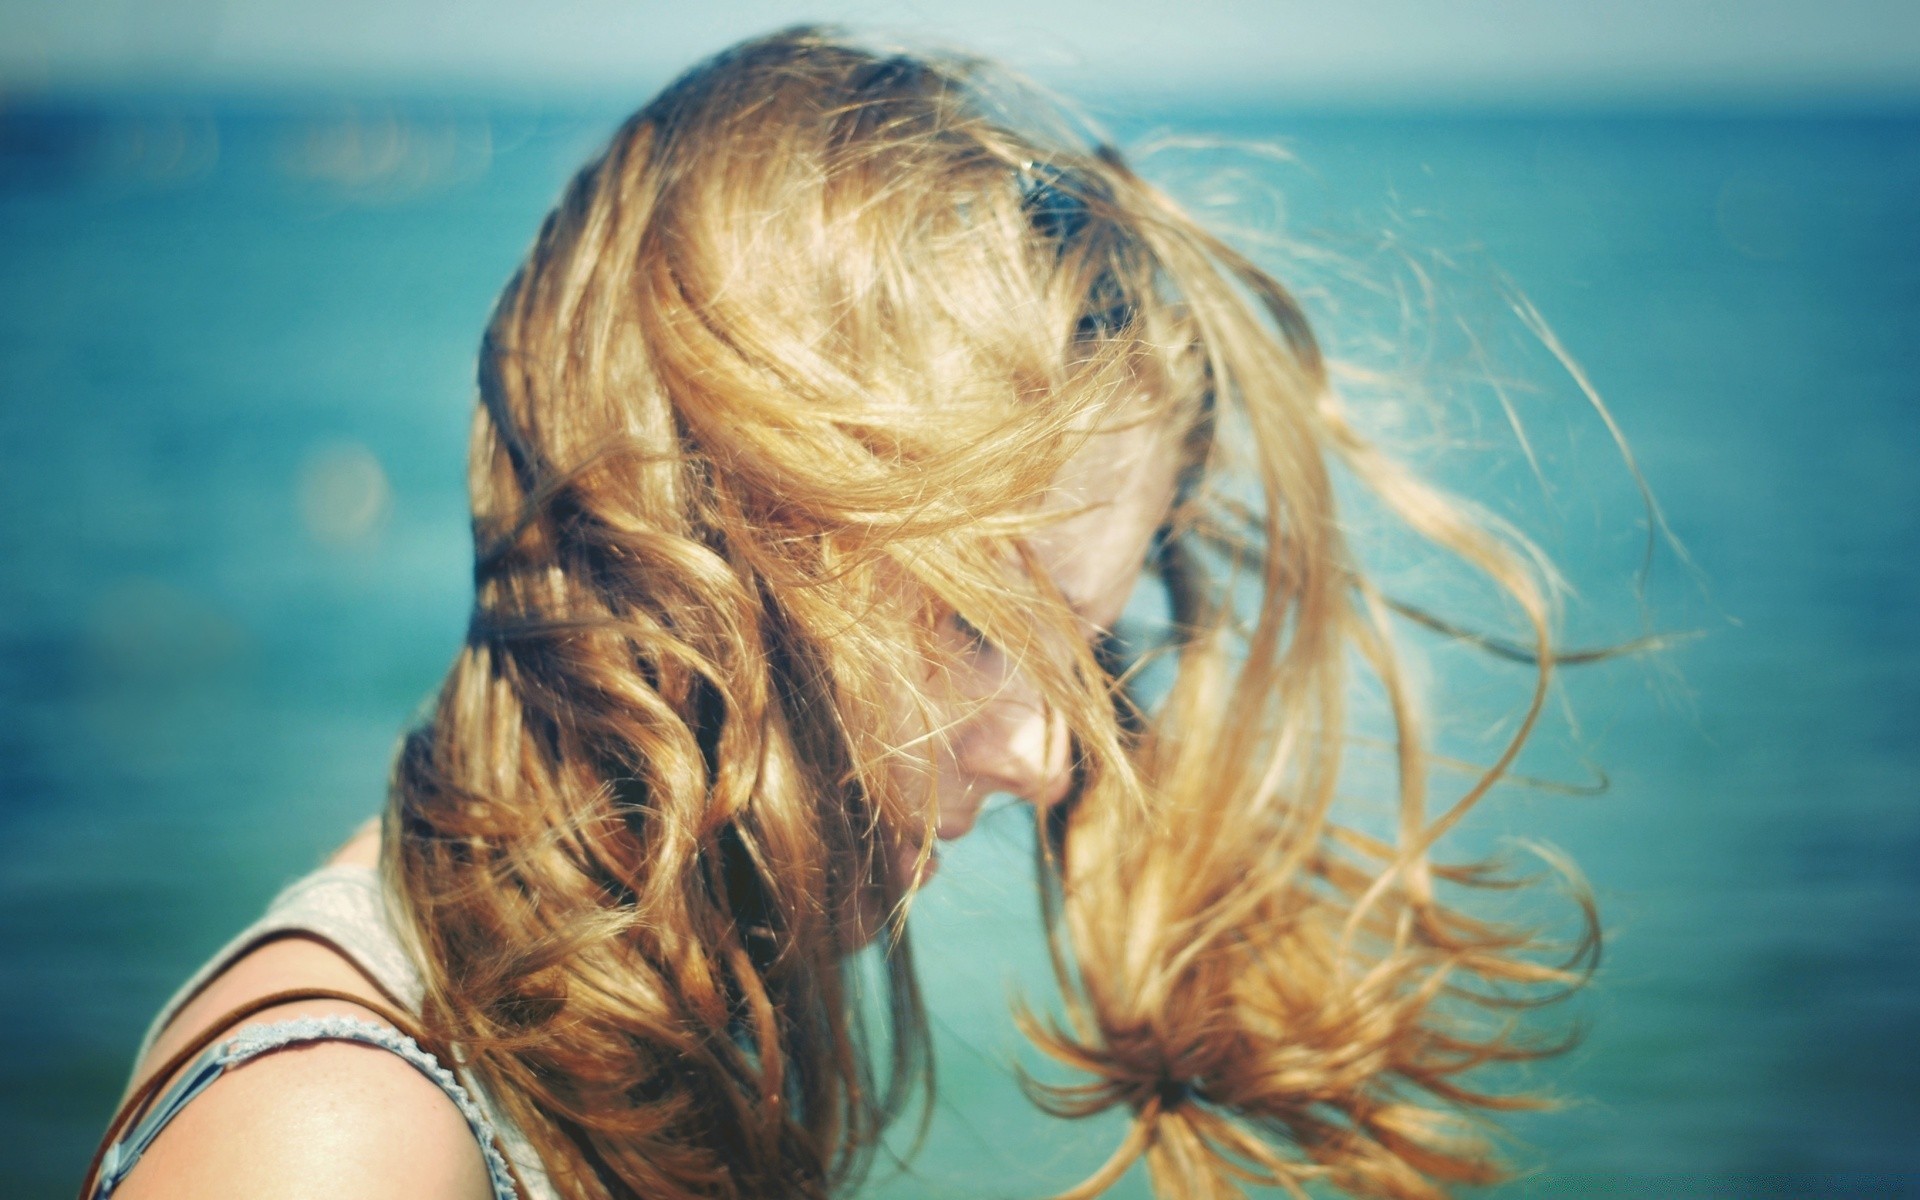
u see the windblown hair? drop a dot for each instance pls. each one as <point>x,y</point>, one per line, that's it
<point>783,383</point>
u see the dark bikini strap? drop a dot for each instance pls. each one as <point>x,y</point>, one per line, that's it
<point>135,1105</point>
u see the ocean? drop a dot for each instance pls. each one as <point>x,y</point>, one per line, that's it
<point>237,339</point>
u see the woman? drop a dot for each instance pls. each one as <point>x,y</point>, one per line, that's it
<point>822,439</point>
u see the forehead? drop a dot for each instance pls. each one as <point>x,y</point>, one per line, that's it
<point>1111,498</point>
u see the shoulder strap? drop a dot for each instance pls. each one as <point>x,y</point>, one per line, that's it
<point>339,906</point>
<point>137,1101</point>
<point>239,949</point>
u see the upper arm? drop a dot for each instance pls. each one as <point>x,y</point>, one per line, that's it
<point>319,1120</point>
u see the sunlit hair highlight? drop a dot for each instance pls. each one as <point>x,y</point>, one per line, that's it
<point>788,374</point>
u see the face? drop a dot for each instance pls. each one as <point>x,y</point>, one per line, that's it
<point>1000,738</point>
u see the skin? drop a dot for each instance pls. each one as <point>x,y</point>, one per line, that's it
<point>998,736</point>
<point>338,1119</point>
<point>316,1122</point>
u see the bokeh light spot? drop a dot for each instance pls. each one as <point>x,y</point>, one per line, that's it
<point>343,493</point>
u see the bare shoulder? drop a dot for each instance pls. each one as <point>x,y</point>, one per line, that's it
<point>321,1119</point>
<point>327,1119</point>
<point>279,965</point>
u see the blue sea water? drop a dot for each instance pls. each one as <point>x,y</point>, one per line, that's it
<point>236,349</point>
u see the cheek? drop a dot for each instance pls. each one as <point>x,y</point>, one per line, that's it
<point>908,766</point>
<point>920,737</point>
<point>948,724</point>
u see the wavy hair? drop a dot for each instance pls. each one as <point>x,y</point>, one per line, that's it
<point>783,382</point>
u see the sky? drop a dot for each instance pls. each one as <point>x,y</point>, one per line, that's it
<point>1767,52</point>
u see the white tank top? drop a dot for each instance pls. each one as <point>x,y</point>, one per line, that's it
<point>346,906</point>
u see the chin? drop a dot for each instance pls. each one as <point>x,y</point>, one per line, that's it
<point>956,824</point>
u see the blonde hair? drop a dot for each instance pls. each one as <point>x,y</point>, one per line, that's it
<point>782,382</point>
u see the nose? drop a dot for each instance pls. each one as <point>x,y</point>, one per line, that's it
<point>1023,748</point>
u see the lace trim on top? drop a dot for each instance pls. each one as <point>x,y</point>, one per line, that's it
<point>343,902</point>
<point>251,1041</point>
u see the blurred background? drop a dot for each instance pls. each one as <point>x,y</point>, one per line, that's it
<point>247,246</point>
